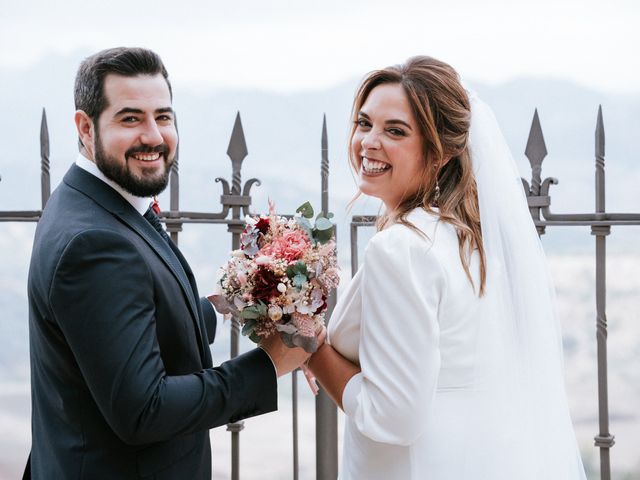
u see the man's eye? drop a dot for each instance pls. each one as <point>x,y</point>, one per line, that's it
<point>129,119</point>
<point>164,118</point>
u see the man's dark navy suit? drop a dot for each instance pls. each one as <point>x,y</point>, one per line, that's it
<point>121,373</point>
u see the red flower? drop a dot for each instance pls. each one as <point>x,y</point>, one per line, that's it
<point>322,307</point>
<point>265,284</point>
<point>263,225</point>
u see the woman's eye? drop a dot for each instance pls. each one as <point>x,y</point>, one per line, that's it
<point>361,122</point>
<point>396,132</point>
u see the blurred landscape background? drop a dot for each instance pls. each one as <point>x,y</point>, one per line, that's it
<point>269,64</point>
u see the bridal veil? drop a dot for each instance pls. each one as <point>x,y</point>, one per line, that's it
<point>522,405</point>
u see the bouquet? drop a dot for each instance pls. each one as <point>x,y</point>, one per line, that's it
<point>280,278</point>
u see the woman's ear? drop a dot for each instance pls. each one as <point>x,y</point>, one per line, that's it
<point>86,132</point>
<point>445,160</point>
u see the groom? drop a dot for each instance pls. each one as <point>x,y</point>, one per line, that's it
<point>121,373</point>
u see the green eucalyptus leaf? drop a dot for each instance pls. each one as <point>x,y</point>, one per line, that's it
<point>291,271</point>
<point>306,210</point>
<point>247,328</point>
<point>262,309</point>
<point>323,224</point>
<point>323,236</point>
<point>255,338</point>
<point>305,225</point>
<point>299,280</point>
<point>250,313</point>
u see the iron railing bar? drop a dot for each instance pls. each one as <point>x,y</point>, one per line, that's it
<point>326,411</point>
<point>294,414</point>
<point>604,440</point>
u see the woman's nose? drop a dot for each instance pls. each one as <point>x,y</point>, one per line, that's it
<point>370,140</point>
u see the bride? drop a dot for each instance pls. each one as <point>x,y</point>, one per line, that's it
<point>445,350</point>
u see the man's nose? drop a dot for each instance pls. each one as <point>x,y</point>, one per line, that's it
<point>151,134</point>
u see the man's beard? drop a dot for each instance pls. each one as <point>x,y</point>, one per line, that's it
<point>140,186</point>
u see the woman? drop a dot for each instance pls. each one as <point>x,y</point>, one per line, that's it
<point>444,352</point>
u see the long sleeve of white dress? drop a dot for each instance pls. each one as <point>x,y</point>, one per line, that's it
<point>402,286</point>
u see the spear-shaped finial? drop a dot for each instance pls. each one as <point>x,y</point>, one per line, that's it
<point>237,151</point>
<point>600,135</point>
<point>600,187</point>
<point>536,151</point>
<point>45,182</point>
<point>324,168</point>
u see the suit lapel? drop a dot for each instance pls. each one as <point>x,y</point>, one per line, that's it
<point>113,202</point>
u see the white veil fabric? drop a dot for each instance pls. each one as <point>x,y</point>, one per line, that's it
<point>521,428</point>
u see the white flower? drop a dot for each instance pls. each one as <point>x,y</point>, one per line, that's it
<point>263,260</point>
<point>282,287</point>
<point>275,313</point>
<point>304,309</point>
<point>238,253</point>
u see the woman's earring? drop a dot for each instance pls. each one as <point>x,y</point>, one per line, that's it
<point>436,191</point>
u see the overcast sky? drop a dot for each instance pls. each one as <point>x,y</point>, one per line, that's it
<point>298,44</point>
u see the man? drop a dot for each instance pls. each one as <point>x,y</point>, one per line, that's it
<point>121,372</point>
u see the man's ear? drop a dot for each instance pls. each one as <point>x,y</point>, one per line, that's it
<point>86,132</point>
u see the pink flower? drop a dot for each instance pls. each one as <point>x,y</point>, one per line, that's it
<point>290,246</point>
<point>305,324</point>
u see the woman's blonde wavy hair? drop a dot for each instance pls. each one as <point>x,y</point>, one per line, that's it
<point>440,106</point>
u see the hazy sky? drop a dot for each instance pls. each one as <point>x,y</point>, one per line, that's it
<point>297,44</point>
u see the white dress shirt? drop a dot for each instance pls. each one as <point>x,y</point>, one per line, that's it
<point>141,204</point>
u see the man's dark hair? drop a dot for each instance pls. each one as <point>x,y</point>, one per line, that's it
<point>89,88</point>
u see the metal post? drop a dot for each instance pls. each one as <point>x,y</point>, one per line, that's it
<point>237,152</point>
<point>326,411</point>
<point>174,195</point>
<point>604,440</point>
<point>45,181</point>
<point>536,151</point>
<point>294,412</point>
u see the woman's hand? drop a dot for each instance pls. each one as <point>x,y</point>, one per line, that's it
<point>332,371</point>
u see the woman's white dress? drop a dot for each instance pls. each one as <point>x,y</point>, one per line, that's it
<point>407,319</point>
<point>425,406</point>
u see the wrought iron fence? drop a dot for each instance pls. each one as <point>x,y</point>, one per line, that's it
<point>236,200</point>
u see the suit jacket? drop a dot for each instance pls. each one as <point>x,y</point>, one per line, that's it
<point>121,373</point>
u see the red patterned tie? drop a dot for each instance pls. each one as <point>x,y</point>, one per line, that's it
<point>155,206</point>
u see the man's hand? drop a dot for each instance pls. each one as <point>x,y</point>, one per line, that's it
<point>284,358</point>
